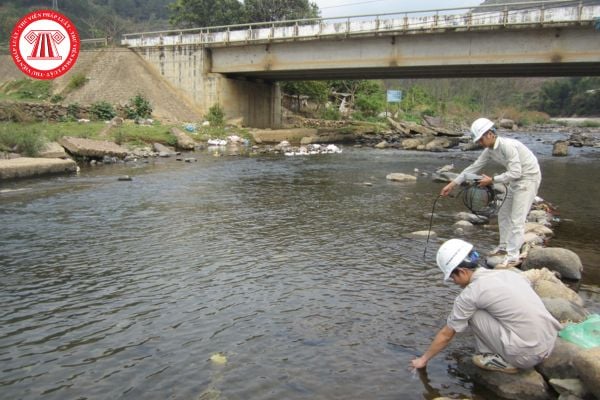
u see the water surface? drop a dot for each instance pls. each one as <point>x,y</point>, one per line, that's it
<point>296,269</point>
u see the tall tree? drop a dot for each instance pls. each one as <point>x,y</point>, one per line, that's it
<point>200,13</point>
<point>279,10</point>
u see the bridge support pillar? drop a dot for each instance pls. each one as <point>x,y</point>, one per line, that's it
<point>188,67</point>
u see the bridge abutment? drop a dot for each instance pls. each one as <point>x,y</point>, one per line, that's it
<point>188,67</point>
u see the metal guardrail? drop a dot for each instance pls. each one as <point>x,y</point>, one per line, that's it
<point>537,13</point>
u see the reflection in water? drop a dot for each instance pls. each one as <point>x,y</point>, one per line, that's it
<point>294,269</point>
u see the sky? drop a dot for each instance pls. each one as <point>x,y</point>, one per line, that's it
<point>342,8</point>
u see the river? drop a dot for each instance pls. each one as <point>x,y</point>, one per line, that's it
<point>295,269</point>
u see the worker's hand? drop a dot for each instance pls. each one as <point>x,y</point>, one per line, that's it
<point>419,363</point>
<point>447,189</point>
<point>485,181</point>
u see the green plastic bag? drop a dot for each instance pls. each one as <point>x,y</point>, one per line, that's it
<point>585,334</point>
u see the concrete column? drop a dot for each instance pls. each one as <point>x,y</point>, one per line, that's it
<point>188,67</point>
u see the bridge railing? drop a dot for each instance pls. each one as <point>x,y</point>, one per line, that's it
<point>547,13</point>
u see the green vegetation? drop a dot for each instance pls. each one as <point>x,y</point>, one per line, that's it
<point>26,140</point>
<point>138,107</point>
<point>29,138</point>
<point>76,81</point>
<point>215,115</point>
<point>200,13</point>
<point>103,110</point>
<point>566,97</point>
<point>27,89</point>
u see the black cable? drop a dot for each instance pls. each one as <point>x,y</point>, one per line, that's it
<point>430,224</point>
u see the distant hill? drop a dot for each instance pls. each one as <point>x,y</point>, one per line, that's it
<point>93,18</point>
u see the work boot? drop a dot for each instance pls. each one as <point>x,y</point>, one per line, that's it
<point>494,362</point>
<point>508,263</point>
<point>498,251</point>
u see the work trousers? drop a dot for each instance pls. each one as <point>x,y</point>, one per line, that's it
<point>489,333</point>
<point>513,214</point>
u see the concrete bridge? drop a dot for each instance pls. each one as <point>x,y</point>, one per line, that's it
<point>239,66</point>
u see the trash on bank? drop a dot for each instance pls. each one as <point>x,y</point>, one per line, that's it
<point>585,334</point>
<point>313,149</point>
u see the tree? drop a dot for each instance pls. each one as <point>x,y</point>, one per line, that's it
<point>201,13</point>
<point>279,10</point>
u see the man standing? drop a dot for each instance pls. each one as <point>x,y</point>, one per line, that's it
<point>511,325</point>
<point>522,176</point>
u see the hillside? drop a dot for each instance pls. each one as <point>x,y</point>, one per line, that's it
<point>116,75</point>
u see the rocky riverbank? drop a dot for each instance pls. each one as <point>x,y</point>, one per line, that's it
<point>573,370</point>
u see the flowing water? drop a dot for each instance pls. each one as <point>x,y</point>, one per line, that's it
<point>296,270</point>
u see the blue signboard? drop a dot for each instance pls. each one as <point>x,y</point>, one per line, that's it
<point>394,96</point>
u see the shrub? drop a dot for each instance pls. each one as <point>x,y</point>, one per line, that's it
<point>76,81</point>
<point>57,98</point>
<point>331,113</point>
<point>28,142</point>
<point>103,110</point>
<point>138,107</point>
<point>215,115</point>
<point>12,112</point>
<point>73,110</point>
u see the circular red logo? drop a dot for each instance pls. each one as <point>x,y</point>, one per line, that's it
<point>44,44</point>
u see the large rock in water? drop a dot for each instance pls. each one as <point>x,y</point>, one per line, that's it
<point>92,148</point>
<point>184,142</point>
<point>24,167</point>
<point>399,177</point>
<point>564,261</point>
<point>561,362</point>
<point>588,366</point>
<point>560,148</point>
<point>527,384</point>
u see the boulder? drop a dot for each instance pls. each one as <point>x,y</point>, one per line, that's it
<point>184,141</point>
<point>547,285</point>
<point>569,387</point>
<point>560,148</point>
<point>52,150</point>
<point>438,144</point>
<point>565,310</point>
<point>538,229</point>
<point>561,362</point>
<point>24,167</point>
<point>564,261</point>
<point>411,144</point>
<point>472,218</point>
<point>399,177</point>
<point>420,235</point>
<point>526,384</point>
<point>532,239</point>
<point>506,123</point>
<point>163,151</point>
<point>466,226</point>
<point>419,129</point>
<point>81,147</point>
<point>588,367</point>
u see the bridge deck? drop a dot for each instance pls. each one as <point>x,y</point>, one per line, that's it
<point>532,14</point>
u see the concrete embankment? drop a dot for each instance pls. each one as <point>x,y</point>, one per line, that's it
<point>26,167</point>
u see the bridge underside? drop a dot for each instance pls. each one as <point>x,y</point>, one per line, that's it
<point>425,72</point>
<point>566,51</point>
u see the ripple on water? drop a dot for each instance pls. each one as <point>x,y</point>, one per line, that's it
<point>301,277</point>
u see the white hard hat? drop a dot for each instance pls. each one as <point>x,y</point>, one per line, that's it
<point>451,254</point>
<point>479,127</point>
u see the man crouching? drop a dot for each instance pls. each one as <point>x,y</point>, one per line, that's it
<point>511,325</point>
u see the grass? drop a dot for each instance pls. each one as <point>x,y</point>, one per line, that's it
<point>30,137</point>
